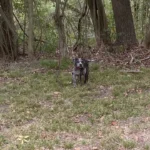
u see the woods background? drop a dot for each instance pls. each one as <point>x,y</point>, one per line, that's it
<point>30,27</point>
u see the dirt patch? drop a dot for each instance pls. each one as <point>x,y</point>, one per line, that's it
<point>84,119</point>
<point>46,104</point>
<point>4,108</point>
<point>78,141</point>
<point>137,130</point>
<point>68,136</point>
<point>3,80</point>
<point>103,92</point>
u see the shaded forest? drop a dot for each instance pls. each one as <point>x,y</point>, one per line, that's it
<point>91,28</point>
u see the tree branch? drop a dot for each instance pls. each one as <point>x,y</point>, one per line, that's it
<point>69,6</point>
<point>35,39</point>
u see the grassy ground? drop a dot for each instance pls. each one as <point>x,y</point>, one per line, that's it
<point>111,112</point>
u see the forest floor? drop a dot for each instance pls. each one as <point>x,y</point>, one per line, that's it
<point>111,112</point>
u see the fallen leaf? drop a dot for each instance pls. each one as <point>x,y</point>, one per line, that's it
<point>56,93</point>
<point>95,148</point>
<point>77,148</point>
<point>113,123</point>
<point>100,134</point>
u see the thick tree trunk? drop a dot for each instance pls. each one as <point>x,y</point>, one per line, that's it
<point>8,40</point>
<point>124,22</point>
<point>99,21</point>
<point>62,37</point>
<point>147,38</point>
<point>30,29</point>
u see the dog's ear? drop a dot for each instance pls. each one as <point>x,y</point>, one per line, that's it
<point>74,60</point>
<point>84,60</point>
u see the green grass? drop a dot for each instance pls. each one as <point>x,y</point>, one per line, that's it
<point>2,140</point>
<point>129,144</point>
<point>36,112</point>
<point>54,64</point>
<point>147,147</point>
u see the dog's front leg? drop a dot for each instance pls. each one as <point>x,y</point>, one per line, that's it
<point>80,76</point>
<point>74,79</point>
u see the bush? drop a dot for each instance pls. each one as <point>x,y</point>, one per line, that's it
<point>52,64</point>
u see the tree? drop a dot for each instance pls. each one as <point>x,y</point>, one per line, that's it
<point>59,22</point>
<point>99,21</point>
<point>124,22</point>
<point>80,36</point>
<point>8,40</point>
<point>30,29</point>
<point>147,37</point>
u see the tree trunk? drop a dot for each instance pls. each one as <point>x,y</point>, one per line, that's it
<point>99,21</point>
<point>8,40</point>
<point>24,28</point>
<point>147,37</point>
<point>30,29</point>
<point>59,21</point>
<point>124,22</point>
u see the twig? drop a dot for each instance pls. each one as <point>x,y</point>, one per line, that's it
<point>35,39</point>
<point>20,24</point>
<point>132,59</point>
<point>131,71</point>
<point>79,26</point>
<point>145,58</point>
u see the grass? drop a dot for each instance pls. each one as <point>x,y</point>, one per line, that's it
<point>37,113</point>
<point>54,64</point>
<point>129,144</point>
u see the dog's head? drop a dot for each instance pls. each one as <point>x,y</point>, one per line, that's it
<point>79,63</point>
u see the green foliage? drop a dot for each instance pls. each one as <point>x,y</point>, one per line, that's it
<point>51,64</point>
<point>45,28</point>
<point>2,140</point>
<point>110,19</point>
<point>95,67</point>
<point>65,63</point>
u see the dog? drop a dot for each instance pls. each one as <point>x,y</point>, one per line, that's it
<point>80,70</point>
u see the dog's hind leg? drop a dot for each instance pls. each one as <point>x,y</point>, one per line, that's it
<point>85,78</point>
